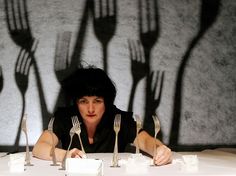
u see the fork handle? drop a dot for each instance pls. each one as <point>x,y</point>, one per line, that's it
<point>137,147</point>
<point>63,167</point>
<point>27,154</point>
<point>115,153</point>
<point>81,144</point>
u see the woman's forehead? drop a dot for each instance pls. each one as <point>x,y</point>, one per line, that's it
<point>91,97</point>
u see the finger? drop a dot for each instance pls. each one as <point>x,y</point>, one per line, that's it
<point>76,153</point>
<point>162,161</point>
<point>82,154</point>
<point>163,156</point>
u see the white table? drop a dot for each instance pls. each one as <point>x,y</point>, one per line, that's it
<point>211,163</point>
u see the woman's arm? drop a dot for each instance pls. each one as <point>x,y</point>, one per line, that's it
<point>161,154</point>
<point>42,148</point>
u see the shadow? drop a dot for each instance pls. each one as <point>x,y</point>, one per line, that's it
<point>139,68</point>
<point>149,32</point>
<point>104,22</point>
<point>148,26</point>
<point>76,55</point>
<point>22,68</point>
<point>1,79</point>
<point>20,32</point>
<point>153,99</point>
<point>63,65</point>
<point>209,12</point>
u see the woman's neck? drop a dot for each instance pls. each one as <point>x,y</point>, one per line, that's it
<point>91,129</point>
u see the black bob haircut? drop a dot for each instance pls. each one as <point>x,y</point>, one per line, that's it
<point>90,81</point>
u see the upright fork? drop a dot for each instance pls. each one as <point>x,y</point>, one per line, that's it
<point>138,127</point>
<point>72,133</point>
<point>157,126</point>
<point>52,153</point>
<point>24,129</point>
<point>117,122</point>
<point>76,124</point>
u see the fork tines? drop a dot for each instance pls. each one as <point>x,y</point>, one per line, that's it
<point>117,122</point>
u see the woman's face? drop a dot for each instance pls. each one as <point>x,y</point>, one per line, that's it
<point>91,109</point>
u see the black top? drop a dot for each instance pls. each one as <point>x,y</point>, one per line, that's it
<point>104,138</point>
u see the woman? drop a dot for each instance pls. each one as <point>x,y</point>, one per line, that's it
<point>93,93</point>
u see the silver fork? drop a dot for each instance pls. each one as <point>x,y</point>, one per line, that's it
<point>24,129</point>
<point>76,123</point>
<point>157,126</point>
<point>116,127</point>
<point>52,153</point>
<point>72,132</point>
<point>138,127</point>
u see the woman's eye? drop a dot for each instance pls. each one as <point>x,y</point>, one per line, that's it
<point>98,101</point>
<point>82,101</point>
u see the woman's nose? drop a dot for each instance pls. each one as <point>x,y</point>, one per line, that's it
<point>91,108</point>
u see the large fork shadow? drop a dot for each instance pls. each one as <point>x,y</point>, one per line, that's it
<point>18,23</point>
<point>149,33</point>
<point>75,61</point>
<point>104,23</point>
<point>209,12</point>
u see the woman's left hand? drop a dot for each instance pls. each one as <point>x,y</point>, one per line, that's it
<point>76,153</point>
<point>162,155</point>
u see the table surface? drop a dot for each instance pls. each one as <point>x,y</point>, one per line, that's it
<point>211,162</point>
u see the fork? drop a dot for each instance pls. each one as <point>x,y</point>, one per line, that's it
<point>157,126</point>
<point>148,24</point>
<point>22,68</point>
<point>24,129</point>
<point>116,127</point>
<point>76,124</point>
<point>61,63</point>
<point>138,67</point>
<point>52,153</point>
<point>72,133</point>
<point>138,127</point>
<point>18,23</point>
<point>104,20</point>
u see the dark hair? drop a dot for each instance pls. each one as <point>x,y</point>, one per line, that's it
<point>90,81</point>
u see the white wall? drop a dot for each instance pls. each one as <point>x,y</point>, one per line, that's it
<point>209,83</point>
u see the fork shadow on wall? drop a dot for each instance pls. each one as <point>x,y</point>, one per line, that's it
<point>64,65</point>
<point>149,29</point>
<point>209,12</point>
<point>138,72</point>
<point>104,23</point>
<point>19,29</point>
